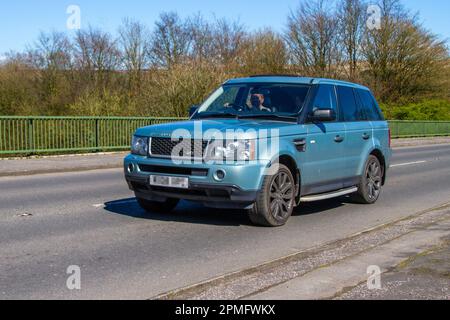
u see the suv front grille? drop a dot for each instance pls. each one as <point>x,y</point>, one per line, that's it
<point>163,147</point>
<point>174,170</point>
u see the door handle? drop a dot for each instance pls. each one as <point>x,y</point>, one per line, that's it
<point>339,139</point>
<point>366,136</point>
<point>300,144</point>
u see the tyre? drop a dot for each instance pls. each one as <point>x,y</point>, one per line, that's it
<point>158,207</point>
<point>276,200</point>
<point>369,187</point>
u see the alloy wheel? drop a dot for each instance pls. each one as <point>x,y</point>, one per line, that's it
<point>373,179</point>
<point>281,198</point>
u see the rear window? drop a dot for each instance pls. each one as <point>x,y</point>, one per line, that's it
<point>369,106</point>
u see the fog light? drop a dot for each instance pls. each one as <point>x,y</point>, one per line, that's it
<point>219,175</point>
<point>130,168</point>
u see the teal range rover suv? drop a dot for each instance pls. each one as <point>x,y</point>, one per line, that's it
<point>265,144</point>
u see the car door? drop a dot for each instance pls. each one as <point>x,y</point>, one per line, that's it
<point>323,170</point>
<point>358,133</point>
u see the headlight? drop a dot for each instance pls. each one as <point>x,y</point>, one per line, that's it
<point>139,146</point>
<point>241,150</point>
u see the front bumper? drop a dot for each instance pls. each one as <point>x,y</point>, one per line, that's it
<point>238,189</point>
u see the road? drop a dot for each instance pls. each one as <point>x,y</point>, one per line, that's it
<point>49,222</point>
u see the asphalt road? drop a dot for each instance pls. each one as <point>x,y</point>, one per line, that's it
<point>49,222</point>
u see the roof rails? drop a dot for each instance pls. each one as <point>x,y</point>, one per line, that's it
<point>311,80</point>
<point>276,75</point>
<point>282,75</point>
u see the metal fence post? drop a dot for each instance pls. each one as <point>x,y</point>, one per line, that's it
<point>97,134</point>
<point>31,136</point>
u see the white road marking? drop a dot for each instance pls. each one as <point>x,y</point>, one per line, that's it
<point>100,205</point>
<point>407,164</point>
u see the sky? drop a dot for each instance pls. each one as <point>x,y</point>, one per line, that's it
<point>22,20</point>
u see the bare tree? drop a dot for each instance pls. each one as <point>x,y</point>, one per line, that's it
<point>351,18</point>
<point>312,38</point>
<point>170,40</point>
<point>96,50</point>
<point>265,53</point>
<point>52,51</point>
<point>135,47</point>
<point>229,39</point>
<point>97,55</point>
<point>50,63</point>
<point>201,33</point>
<point>403,58</point>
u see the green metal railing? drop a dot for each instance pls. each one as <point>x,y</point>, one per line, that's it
<point>38,135</point>
<point>409,129</point>
<point>41,135</point>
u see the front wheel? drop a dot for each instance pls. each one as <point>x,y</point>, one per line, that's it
<point>276,200</point>
<point>158,207</point>
<point>369,187</point>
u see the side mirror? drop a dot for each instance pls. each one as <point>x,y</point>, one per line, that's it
<point>323,115</point>
<point>193,109</point>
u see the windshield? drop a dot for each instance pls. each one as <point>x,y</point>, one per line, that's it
<point>255,100</point>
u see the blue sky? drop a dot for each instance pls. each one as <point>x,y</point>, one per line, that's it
<point>22,20</point>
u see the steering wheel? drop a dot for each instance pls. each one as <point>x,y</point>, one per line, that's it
<point>236,107</point>
<point>268,109</point>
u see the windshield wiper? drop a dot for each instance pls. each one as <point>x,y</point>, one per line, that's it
<point>217,115</point>
<point>290,117</point>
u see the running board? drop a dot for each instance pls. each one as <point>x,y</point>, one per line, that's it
<point>324,196</point>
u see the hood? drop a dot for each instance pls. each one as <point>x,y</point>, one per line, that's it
<point>248,129</point>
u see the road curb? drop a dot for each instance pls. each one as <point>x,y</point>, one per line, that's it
<point>440,245</point>
<point>50,171</point>
<point>225,286</point>
<point>419,142</point>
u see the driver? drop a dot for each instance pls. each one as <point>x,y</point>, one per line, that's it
<point>257,101</point>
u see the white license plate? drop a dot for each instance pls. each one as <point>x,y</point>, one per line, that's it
<point>170,182</point>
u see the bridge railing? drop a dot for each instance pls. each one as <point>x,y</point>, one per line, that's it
<point>408,129</point>
<point>38,135</point>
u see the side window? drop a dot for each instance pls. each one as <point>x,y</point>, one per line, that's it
<point>347,104</point>
<point>369,105</point>
<point>325,98</point>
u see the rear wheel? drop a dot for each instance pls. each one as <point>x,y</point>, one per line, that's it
<point>158,207</point>
<point>369,188</point>
<point>275,202</point>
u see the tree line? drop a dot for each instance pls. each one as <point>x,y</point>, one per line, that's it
<point>162,69</point>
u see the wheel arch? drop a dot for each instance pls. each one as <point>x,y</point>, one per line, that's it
<point>377,153</point>
<point>289,161</point>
